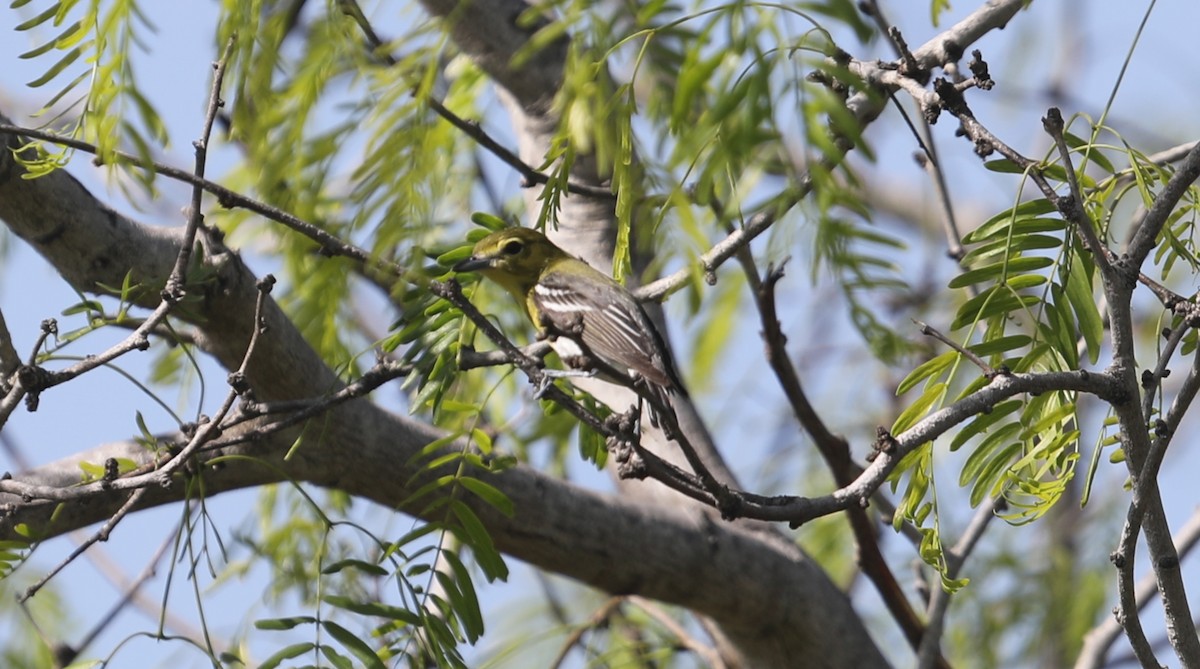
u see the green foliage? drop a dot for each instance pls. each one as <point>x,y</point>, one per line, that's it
<point>21,646</point>
<point>1031,305</point>
<point>93,41</point>
<point>13,552</point>
<point>856,254</point>
<point>435,607</point>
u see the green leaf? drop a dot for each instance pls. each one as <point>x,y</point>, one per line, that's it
<point>1094,154</point>
<point>1005,246</point>
<point>1023,281</point>
<point>377,609</point>
<point>983,421</point>
<point>283,623</point>
<point>62,64</point>
<point>337,659</point>
<point>996,270</point>
<point>592,446</point>
<point>476,536</point>
<point>1003,166</point>
<point>1091,325</point>
<point>453,256</point>
<point>929,368</point>
<point>465,599</point>
<point>92,470</point>
<point>147,435</point>
<point>1047,417</point>
<point>1025,214</point>
<point>490,221</point>
<point>57,42</point>
<point>357,647</point>
<point>287,653</point>
<point>488,493</point>
<point>1000,345</point>
<point>85,306</point>
<point>351,563</point>
<point>985,455</point>
<point>936,8</point>
<point>988,304</point>
<point>690,84</point>
<point>39,19</point>
<point>66,89</point>
<point>482,439</point>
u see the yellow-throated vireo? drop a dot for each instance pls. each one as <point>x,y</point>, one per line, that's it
<point>592,322</point>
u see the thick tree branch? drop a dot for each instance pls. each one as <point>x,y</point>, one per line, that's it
<point>1100,639</point>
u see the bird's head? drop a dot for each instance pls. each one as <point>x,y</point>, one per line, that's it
<point>513,258</point>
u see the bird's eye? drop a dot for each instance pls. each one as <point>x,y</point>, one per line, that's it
<point>513,247</point>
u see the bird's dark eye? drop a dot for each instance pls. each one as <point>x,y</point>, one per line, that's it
<point>512,247</point>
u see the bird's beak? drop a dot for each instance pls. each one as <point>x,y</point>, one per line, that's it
<point>473,263</point>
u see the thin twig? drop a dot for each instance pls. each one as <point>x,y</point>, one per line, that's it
<point>163,475</point>
<point>471,359</point>
<point>301,410</point>
<point>1169,298</point>
<point>1074,208</point>
<point>707,653</point>
<point>1146,511</point>
<point>979,362</point>
<point>129,595</point>
<point>149,474</point>
<point>931,163</point>
<point>174,290</point>
<point>576,636</point>
<point>1145,492</point>
<point>100,535</point>
<point>1152,379</point>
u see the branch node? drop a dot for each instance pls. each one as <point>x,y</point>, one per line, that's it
<point>1053,122</point>
<point>1161,429</point>
<point>884,443</point>
<point>1148,379</point>
<point>237,380</point>
<point>979,69</point>
<point>953,49</point>
<point>1168,562</point>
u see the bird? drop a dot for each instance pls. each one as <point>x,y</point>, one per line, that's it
<point>594,323</point>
